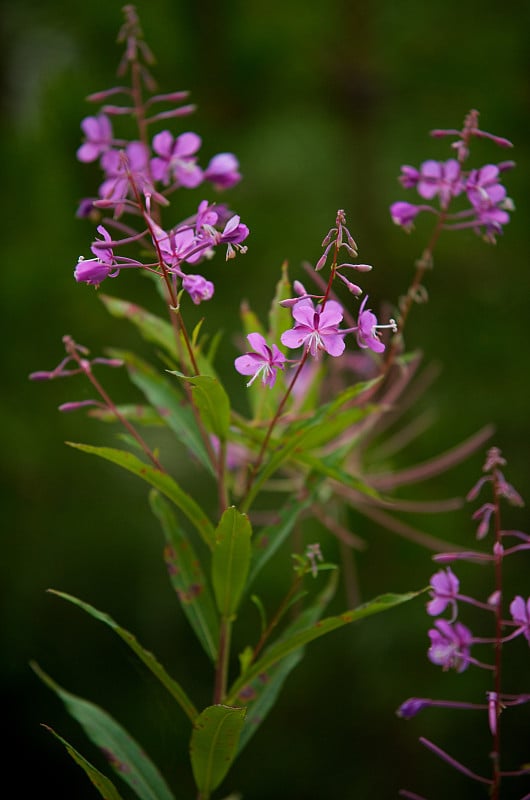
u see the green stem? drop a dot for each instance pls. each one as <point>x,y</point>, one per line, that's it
<point>221,672</point>
<point>282,608</point>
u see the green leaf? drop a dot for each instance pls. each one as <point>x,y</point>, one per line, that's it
<point>153,328</point>
<point>283,648</point>
<point>150,661</point>
<point>161,481</point>
<point>231,560</point>
<point>168,402</point>
<point>188,578</point>
<point>103,784</point>
<point>125,756</point>
<point>212,403</point>
<point>326,424</point>
<point>263,691</point>
<point>213,745</point>
<point>159,332</point>
<point>327,468</point>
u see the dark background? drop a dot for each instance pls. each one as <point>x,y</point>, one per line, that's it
<point>322,103</point>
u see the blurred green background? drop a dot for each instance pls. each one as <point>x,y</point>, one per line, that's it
<point>322,103</point>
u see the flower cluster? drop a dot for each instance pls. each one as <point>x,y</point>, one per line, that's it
<point>139,175</point>
<point>316,324</point>
<point>450,640</point>
<point>487,204</point>
<point>158,168</point>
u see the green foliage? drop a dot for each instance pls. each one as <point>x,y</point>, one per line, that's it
<point>161,481</point>
<point>213,745</point>
<point>125,756</point>
<point>103,784</point>
<point>212,403</point>
<point>188,577</point>
<point>231,561</point>
<point>174,689</point>
<point>168,403</point>
<point>300,638</point>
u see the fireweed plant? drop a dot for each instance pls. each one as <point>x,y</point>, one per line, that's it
<point>451,641</point>
<point>324,378</point>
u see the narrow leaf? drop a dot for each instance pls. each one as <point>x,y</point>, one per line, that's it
<point>231,560</point>
<point>283,648</point>
<point>125,756</point>
<point>165,398</point>
<point>161,481</point>
<point>103,784</point>
<point>188,578</point>
<point>212,403</point>
<point>150,661</point>
<point>328,422</point>
<point>153,328</point>
<point>213,745</point>
<point>159,332</point>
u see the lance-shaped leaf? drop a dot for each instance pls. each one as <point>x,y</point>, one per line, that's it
<point>188,578</point>
<point>212,403</point>
<point>159,332</point>
<point>123,753</point>
<point>161,481</point>
<point>287,646</point>
<point>153,328</point>
<point>174,688</point>
<point>261,693</point>
<point>327,423</point>
<point>103,784</point>
<point>165,398</point>
<point>213,745</point>
<point>231,560</point>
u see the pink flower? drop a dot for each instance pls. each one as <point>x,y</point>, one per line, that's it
<point>223,171</point>
<point>520,612</point>
<point>98,133</point>
<point>450,645</point>
<point>93,271</point>
<point>483,185</point>
<point>316,329</point>
<point>265,361</point>
<point>198,288</point>
<point>404,214</point>
<point>122,167</point>
<point>368,327</point>
<point>234,232</point>
<point>444,586</point>
<point>439,178</point>
<point>175,159</point>
<point>175,246</point>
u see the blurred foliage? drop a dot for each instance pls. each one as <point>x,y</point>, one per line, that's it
<point>322,103</point>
